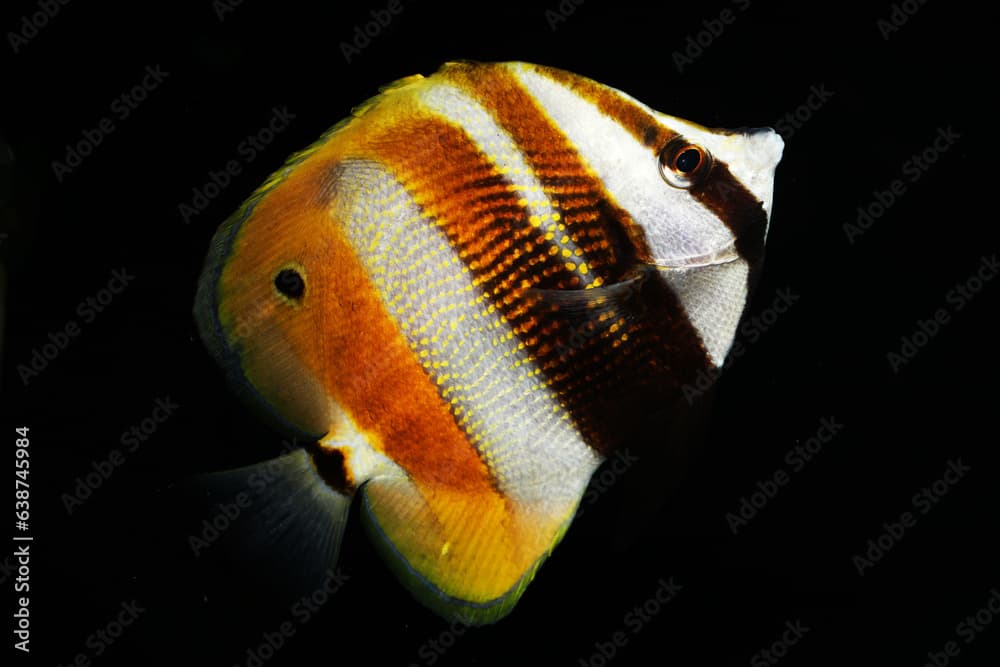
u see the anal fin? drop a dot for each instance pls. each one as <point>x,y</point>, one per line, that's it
<point>468,555</point>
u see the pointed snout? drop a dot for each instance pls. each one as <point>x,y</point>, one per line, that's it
<point>761,152</point>
<point>767,144</point>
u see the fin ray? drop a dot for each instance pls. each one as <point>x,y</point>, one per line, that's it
<point>467,556</point>
<point>286,513</point>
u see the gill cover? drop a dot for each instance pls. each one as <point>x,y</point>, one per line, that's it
<point>256,311</point>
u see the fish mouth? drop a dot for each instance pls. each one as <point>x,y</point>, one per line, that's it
<point>723,255</point>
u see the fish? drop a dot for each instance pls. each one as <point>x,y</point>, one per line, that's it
<point>466,296</point>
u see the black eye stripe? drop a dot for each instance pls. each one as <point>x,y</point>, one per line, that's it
<point>290,283</point>
<point>650,136</point>
<point>737,207</point>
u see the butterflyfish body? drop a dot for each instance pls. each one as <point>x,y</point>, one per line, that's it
<point>467,294</point>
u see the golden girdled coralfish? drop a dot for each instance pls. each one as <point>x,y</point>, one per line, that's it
<point>468,294</point>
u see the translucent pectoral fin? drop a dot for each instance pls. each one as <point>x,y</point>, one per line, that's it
<point>280,511</point>
<point>468,556</point>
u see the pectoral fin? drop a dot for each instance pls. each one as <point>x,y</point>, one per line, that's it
<point>282,511</point>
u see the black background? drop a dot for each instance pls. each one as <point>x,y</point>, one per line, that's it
<point>825,357</point>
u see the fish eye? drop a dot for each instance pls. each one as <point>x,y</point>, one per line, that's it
<point>683,164</point>
<point>289,283</point>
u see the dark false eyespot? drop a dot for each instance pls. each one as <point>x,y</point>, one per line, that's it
<point>684,164</point>
<point>289,283</point>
